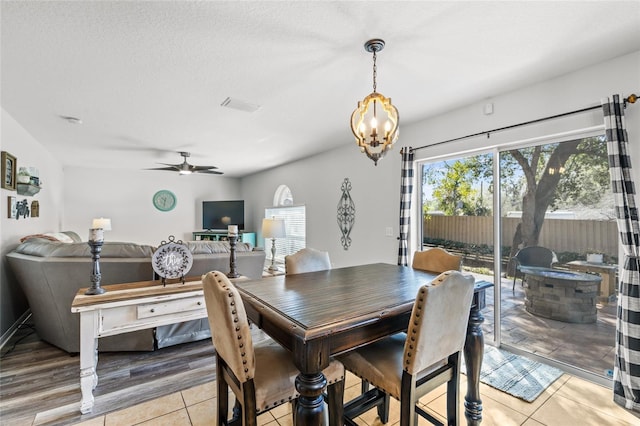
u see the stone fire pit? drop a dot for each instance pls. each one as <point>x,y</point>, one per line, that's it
<point>561,295</point>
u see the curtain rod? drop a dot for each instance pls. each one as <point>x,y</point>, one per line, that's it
<point>630,99</point>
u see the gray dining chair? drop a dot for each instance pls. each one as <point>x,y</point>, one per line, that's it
<point>307,260</point>
<point>262,377</point>
<point>531,256</point>
<point>408,366</point>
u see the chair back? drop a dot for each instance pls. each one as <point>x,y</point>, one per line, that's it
<point>229,325</point>
<point>438,321</point>
<point>307,260</point>
<point>535,256</point>
<point>436,260</point>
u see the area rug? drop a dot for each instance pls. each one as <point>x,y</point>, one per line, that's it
<point>515,374</point>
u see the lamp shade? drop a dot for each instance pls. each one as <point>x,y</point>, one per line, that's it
<point>273,228</point>
<point>101,223</point>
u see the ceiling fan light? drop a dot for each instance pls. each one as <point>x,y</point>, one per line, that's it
<point>185,172</point>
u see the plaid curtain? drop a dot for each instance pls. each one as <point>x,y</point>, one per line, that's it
<point>406,190</point>
<point>626,372</point>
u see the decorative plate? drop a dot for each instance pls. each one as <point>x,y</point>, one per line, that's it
<point>172,260</point>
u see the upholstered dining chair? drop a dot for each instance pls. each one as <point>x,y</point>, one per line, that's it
<point>262,377</point>
<point>408,366</point>
<point>532,256</point>
<point>436,260</point>
<point>307,260</point>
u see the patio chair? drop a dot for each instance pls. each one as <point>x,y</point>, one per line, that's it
<point>436,260</point>
<point>262,377</point>
<point>532,256</point>
<point>307,260</point>
<point>408,366</point>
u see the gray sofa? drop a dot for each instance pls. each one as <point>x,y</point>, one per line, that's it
<point>51,272</point>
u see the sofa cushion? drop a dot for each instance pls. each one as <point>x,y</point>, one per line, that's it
<point>45,248</point>
<point>61,237</point>
<point>211,247</point>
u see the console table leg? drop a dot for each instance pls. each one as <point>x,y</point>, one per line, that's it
<point>473,353</point>
<point>88,359</point>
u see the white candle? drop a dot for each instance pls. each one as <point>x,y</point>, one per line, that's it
<point>232,229</point>
<point>96,235</point>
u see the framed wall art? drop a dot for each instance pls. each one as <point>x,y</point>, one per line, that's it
<point>9,168</point>
<point>35,208</point>
<point>12,208</point>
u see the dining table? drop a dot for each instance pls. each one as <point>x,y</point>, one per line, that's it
<point>318,315</point>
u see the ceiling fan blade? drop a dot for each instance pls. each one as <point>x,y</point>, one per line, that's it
<point>198,168</point>
<point>210,172</point>
<point>171,169</point>
<point>175,166</point>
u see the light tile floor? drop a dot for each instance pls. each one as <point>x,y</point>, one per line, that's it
<point>568,401</point>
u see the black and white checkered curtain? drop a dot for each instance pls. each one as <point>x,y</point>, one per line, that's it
<point>626,372</point>
<point>406,190</point>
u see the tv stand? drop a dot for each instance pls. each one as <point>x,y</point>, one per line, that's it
<point>223,235</point>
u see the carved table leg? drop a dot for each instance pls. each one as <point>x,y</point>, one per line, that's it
<point>310,407</point>
<point>473,353</point>
<point>88,359</point>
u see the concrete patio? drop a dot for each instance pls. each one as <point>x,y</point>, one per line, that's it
<point>587,347</point>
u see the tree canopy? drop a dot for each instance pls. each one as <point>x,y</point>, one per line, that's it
<point>534,179</point>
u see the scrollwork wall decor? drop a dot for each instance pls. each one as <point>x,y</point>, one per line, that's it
<point>346,214</point>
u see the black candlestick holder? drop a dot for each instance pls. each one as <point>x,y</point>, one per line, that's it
<point>233,273</point>
<point>96,249</point>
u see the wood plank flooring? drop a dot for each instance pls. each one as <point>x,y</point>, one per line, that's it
<point>38,378</point>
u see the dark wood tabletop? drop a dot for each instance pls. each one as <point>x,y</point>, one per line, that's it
<point>314,304</point>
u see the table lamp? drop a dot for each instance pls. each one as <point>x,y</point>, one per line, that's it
<point>273,228</point>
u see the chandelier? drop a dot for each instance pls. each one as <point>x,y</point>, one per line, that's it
<point>374,122</point>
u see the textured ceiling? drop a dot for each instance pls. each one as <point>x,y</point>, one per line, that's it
<point>147,78</point>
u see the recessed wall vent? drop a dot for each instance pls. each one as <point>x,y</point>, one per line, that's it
<point>240,105</point>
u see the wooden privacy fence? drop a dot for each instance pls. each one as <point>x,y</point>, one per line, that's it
<point>560,235</point>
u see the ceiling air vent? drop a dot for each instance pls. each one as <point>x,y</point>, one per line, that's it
<point>240,105</point>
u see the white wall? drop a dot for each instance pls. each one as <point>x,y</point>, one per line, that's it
<point>316,181</point>
<point>125,196</point>
<point>28,152</point>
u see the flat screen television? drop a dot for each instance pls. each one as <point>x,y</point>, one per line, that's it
<point>218,215</point>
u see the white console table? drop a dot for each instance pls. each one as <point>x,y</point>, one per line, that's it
<point>130,307</point>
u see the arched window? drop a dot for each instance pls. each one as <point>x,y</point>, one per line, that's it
<point>283,196</point>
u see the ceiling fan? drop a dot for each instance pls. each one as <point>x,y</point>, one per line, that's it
<point>185,168</point>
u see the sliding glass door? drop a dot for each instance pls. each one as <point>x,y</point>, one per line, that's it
<point>553,195</point>
<point>555,198</point>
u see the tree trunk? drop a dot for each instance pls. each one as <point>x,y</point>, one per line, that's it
<point>539,193</point>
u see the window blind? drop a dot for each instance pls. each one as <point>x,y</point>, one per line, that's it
<point>295,226</point>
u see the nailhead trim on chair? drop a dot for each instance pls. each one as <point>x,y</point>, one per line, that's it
<point>235,320</point>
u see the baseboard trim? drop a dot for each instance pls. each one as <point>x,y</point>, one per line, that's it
<point>14,328</point>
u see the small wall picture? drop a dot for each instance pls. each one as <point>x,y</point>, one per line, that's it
<point>9,169</point>
<point>22,209</point>
<point>12,208</point>
<point>35,208</point>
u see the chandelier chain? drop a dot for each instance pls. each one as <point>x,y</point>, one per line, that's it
<point>375,70</point>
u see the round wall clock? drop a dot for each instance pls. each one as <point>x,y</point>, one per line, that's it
<point>164,200</point>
